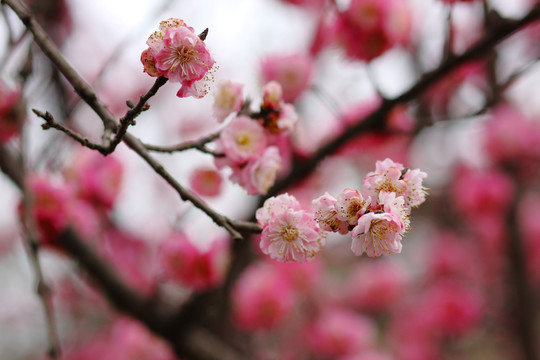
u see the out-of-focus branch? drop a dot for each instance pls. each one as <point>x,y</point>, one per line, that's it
<point>186,337</point>
<point>375,121</point>
<point>30,236</point>
<point>83,89</point>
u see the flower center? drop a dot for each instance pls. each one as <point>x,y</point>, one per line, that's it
<point>289,233</point>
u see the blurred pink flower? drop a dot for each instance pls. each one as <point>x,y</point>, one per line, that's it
<point>206,181</point>
<point>481,192</point>
<point>11,113</point>
<point>50,208</point>
<point>243,139</point>
<point>96,178</point>
<point>125,339</point>
<point>512,138</point>
<point>368,28</point>
<point>190,266</point>
<point>375,286</point>
<point>259,174</point>
<point>340,332</point>
<point>262,298</point>
<point>228,99</point>
<point>454,309</point>
<point>126,252</point>
<point>293,72</point>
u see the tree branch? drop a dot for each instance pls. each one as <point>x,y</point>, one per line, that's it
<point>375,120</point>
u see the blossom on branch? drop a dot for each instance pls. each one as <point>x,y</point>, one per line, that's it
<point>178,54</point>
<point>289,234</point>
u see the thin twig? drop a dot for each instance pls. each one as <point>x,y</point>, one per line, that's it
<point>187,145</point>
<point>31,241</point>
<point>129,118</point>
<point>83,89</point>
<point>137,146</point>
<point>51,123</point>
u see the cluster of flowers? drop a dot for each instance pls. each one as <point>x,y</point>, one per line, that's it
<point>250,144</point>
<point>377,221</point>
<point>177,53</point>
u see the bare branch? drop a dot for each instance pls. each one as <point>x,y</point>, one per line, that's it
<point>137,146</point>
<point>194,144</point>
<point>51,123</point>
<point>83,89</point>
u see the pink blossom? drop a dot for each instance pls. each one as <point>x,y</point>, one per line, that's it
<point>206,181</point>
<point>339,332</point>
<point>292,72</point>
<point>276,206</point>
<point>258,175</point>
<point>368,28</point>
<point>350,205</point>
<point>480,192</point>
<point>292,236</point>
<point>512,138</point>
<point>453,308</point>
<point>393,177</point>
<point>177,53</point>
<point>243,139</point>
<point>326,215</point>
<point>262,298</point>
<point>126,252</point>
<point>228,99</point>
<point>11,113</point>
<point>124,339</point>
<point>375,286</point>
<point>380,232</point>
<point>97,179</point>
<point>272,95</point>
<point>191,266</point>
<point>50,208</point>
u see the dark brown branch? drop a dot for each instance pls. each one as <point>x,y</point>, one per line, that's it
<point>375,120</point>
<point>194,144</point>
<point>51,123</point>
<point>83,89</point>
<point>129,118</point>
<point>221,220</point>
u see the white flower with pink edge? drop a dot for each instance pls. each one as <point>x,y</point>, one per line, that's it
<point>292,236</point>
<point>350,205</point>
<point>326,215</point>
<point>243,139</point>
<point>380,232</point>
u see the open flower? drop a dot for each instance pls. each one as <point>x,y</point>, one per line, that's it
<point>178,54</point>
<point>292,237</point>
<point>326,215</point>
<point>379,232</point>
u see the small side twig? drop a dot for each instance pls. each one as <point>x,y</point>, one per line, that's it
<point>221,220</point>
<point>51,123</point>
<point>129,118</point>
<point>193,144</point>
